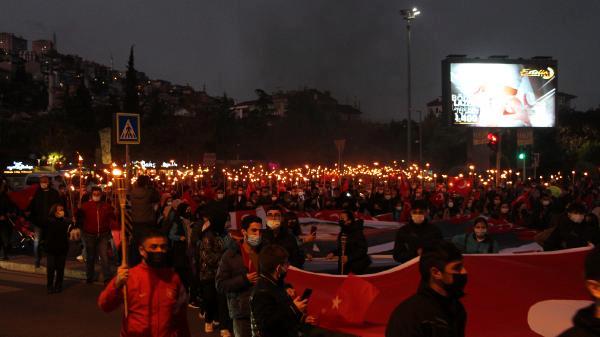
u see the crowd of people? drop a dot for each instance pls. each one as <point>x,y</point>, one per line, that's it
<point>237,278</point>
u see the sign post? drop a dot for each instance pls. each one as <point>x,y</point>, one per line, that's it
<point>128,132</point>
<point>340,144</point>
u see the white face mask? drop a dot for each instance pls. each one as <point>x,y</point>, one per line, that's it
<point>273,198</point>
<point>60,214</point>
<point>95,198</point>
<point>576,218</point>
<point>273,224</point>
<point>220,196</point>
<point>387,197</point>
<point>418,218</point>
<point>398,208</point>
<point>545,202</point>
<point>450,204</point>
<point>44,185</point>
<point>504,210</point>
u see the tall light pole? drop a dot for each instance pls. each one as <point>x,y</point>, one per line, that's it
<point>409,15</point>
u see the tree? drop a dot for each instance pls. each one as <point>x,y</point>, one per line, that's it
<point>131,103</point>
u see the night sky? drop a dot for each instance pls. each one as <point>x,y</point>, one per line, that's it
<point>354,48</point>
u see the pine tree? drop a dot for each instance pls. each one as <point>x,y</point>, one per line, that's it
<point>131,103</point>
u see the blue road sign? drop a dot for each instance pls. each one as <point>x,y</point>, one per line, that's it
<point>128,128</point>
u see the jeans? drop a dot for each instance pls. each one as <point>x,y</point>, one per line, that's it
<point>97,245</point>
<point>37,251</point>
<point>56,265</point>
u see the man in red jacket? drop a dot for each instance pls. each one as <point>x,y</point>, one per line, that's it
<point>156,298</point>
<point>94,218</point>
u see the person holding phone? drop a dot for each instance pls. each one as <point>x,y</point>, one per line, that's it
<point>273,312</point>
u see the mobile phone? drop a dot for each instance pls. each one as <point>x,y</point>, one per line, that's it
<point>306,294</point>
<point>313,230</point>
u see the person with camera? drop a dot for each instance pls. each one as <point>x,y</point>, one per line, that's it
<point>273,312</point>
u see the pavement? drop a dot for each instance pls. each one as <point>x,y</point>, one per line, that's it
<point>26,310</point>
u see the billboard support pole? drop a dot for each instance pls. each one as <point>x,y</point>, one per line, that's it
<point>498,157</point>
<point>409,98</point>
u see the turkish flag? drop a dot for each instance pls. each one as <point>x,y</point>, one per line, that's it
<point>507,294</point>
<point>460,186</point>
<point>22,198</point>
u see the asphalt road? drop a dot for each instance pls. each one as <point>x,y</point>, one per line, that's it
<point>26,310</point>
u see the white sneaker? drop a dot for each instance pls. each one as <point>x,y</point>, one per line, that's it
<point>208,327</point>
<point>225,333</point>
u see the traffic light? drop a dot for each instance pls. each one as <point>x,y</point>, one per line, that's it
<point>522,155</point>
<point>492,141</point>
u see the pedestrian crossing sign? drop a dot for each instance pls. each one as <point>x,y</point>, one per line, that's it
<point>128,128</point>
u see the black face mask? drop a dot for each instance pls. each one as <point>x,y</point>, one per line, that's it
<point>457,287</point>
<point>156,259</point>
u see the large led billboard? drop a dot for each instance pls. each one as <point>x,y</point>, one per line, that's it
<point>500,93</point>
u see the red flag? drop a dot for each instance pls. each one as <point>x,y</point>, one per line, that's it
<point>460,186</point>
<point>23,197</point>
<point>353,299</point>
<point>504,293</point>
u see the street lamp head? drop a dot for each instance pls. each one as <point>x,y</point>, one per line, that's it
<point>117,172</point>
<point>410,14</point>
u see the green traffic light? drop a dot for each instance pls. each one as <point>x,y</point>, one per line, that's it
<point>522,155</point>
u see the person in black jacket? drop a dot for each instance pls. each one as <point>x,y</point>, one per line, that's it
<point>273,312</point>
<point>352,246</point>
<point>586,322</point>
<point>43,199</point>
<point>57,246</point>
<point>277,233</point>
<point>418,234</point>
<point>435,310</point>
<point>572,231</point>
<point>238,273</point>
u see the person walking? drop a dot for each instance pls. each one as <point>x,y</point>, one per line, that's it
<point>39,209</point>
<point>238,273</point>
<point>156,297</point>
<point>94,218</point>
<point>57,246</point>
<point>435,310</point>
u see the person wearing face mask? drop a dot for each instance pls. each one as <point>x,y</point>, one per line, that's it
<point>545,212</point>
<point>180,238</point>
<point>435,310</point>
<point>39,210</point>
<point>156,297</point>
<point>418,234</point>
<point>478,241</point>
<point>273,312</point>
<point>238,273</point>
<point>277,232</point>
<point>209,249</point>
<point>353,254</point>
<point>571,230</point>
<point>238,201</point>
<point>586,322</point>
<point>57,246</point>
<point>94,218</point>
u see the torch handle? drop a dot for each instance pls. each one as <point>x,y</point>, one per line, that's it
<point>124,253</point>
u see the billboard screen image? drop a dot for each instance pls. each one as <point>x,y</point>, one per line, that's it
<point>507,94</point>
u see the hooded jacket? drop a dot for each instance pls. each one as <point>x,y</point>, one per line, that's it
<point>411,237</point>
<point>157,303</point>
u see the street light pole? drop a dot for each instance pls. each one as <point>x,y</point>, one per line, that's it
<point>409,15</point>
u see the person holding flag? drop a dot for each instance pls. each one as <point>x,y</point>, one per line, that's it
<point>156,300</point>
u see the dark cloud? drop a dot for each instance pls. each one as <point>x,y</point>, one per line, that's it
<point>355,48</point>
